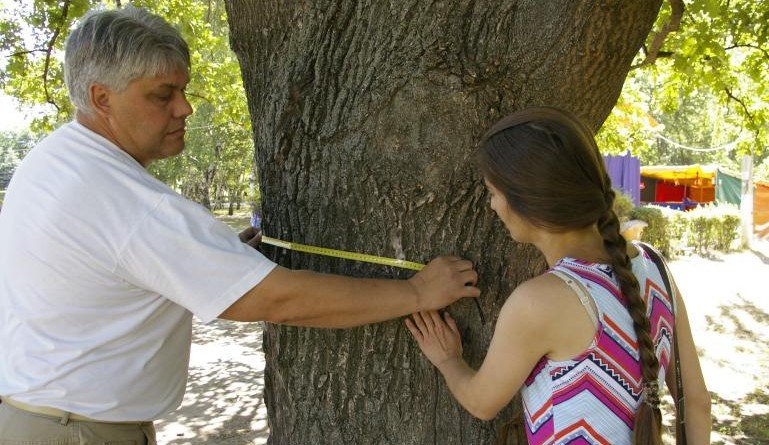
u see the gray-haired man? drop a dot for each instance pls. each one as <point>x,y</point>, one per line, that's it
<point>102,266</point>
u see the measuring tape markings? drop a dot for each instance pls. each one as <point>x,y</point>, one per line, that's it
<point>356,257</point>
<point>403,264</point>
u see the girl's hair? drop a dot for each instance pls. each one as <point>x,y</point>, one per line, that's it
<point>546,163</point>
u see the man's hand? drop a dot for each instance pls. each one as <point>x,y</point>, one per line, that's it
<point>251,236</point>
<point>443,281</point>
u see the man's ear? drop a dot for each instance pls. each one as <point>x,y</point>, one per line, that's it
<point>100,98</point>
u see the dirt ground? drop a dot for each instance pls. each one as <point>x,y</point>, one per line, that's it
<point>728,302</point>
<point>727,297</point>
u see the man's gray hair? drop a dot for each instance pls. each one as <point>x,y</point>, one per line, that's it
<point>114,47</point>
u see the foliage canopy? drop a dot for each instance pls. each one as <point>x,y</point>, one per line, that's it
<point>705,89</point>
<point>698,83</point>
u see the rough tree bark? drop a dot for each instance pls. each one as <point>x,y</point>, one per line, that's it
<point>365,115</point>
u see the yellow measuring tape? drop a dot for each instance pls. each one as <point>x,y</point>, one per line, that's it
<point>356,257</point>
<point>403,264</point>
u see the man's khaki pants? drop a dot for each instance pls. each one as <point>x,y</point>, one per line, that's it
<point>19,427</point>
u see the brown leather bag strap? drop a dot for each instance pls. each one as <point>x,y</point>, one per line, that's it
<point>656,257</point>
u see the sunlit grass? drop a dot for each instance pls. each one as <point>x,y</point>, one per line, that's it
<point>239,220</point>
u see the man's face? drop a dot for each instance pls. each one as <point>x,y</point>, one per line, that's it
<point>147,118</point>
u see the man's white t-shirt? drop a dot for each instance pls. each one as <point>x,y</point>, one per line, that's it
<point>101,268</point>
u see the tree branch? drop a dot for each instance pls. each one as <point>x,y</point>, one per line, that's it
<point>673,24</point>
<point>21,53</point>
<point>748,45</point>
<point>199,97</point>
<point>49,50</point>
<point>739,101</point>
<point>756,130</point>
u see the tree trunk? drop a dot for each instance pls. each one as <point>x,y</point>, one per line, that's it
<point>365,116</point>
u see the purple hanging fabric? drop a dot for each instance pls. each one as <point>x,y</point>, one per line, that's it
<point>631,180</point>
<point>625,173</point>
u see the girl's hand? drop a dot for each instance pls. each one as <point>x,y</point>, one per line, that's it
<point>438,339</point>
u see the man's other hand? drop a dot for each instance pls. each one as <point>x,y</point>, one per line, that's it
<point>251,236</point>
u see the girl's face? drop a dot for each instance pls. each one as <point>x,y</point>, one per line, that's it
<point>520,229</point>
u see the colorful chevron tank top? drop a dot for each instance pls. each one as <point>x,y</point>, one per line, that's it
<point>593,398</point>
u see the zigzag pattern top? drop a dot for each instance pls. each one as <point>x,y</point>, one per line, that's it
<point>593,398</point>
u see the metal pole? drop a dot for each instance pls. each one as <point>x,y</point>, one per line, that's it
<point>746,201</point>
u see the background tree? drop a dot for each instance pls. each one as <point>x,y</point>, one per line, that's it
<point>219,145</point>
<point>703,86</point>
<point>365,117</point>
<point>14,145</point>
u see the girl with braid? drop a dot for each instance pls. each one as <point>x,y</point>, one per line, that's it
<point>589,342</point>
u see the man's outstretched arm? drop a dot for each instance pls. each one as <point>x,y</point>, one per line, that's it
<point>304,298</point>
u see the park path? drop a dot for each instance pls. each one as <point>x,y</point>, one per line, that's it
<point>727,297</point>
<point>224,402</point>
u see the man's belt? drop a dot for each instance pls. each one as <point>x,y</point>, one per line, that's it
<point>55,412</point>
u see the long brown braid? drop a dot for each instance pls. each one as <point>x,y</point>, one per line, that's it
<point>648,421</point>
<point>547,164</point>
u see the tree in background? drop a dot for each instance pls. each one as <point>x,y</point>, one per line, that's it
<point>14,145</point>
<point>703,86</point>
<point>219,151</point>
